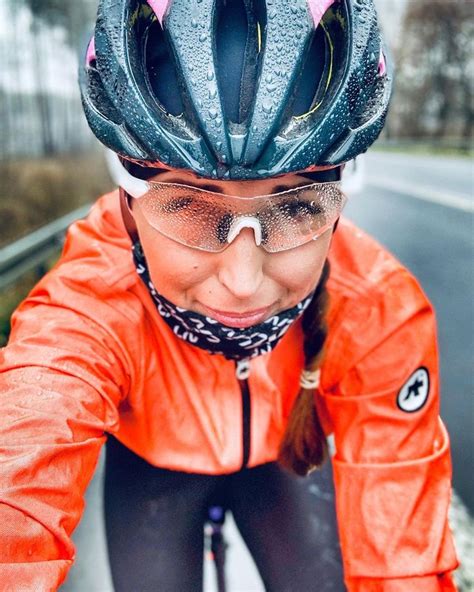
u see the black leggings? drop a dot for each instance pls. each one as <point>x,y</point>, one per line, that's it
<point>154,523</point>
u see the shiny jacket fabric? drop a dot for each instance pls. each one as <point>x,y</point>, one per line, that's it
<point>89,355</point>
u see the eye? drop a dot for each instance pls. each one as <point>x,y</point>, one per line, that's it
<point>177,204</point>
<point>299,209</point>
<point>223,227</point>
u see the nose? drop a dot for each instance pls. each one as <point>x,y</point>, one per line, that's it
<point>241,266</point>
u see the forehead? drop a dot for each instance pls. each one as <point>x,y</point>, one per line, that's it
<point>245,188</point>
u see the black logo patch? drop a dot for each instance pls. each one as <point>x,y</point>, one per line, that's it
<point>414,393</point>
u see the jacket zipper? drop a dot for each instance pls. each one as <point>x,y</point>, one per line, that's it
<point>242,373</point>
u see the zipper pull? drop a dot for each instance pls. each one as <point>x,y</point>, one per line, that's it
<point>242,369</point>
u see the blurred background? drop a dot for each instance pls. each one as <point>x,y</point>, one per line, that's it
<point>417,199</point>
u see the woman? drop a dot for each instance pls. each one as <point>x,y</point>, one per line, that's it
<point>210,321</point>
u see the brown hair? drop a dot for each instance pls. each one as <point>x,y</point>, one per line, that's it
<point>303,446</point>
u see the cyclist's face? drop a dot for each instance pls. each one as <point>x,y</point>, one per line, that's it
<point>243,278</point>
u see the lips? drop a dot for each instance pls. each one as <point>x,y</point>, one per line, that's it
<point>239,320</point>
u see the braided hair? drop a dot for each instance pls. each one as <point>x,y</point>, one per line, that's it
<point>303,447</point>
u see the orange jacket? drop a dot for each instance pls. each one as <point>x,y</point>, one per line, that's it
<point>89,354</point>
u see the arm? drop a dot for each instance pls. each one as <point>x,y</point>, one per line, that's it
<point>62,377</point>
<point>392,466</point>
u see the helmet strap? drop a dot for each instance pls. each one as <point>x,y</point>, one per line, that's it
<point>127,217</point>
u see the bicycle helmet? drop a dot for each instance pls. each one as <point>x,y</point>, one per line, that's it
<point>241,89</point>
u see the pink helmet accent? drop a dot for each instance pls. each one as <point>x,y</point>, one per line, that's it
<point>318,8</point>
<point>159,8</point>
<point>90,56</point>
<point>382,64</point>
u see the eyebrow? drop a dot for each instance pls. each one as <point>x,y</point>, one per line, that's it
<point>282,188</point>
<point>217,189</point>
<point>205,187</point>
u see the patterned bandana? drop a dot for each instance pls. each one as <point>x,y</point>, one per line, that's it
<point>212,336</point>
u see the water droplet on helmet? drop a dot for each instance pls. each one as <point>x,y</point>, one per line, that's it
<point>213,113</point>
<point>267,106</point>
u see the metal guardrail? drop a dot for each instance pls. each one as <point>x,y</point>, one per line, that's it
<point>33,250</point>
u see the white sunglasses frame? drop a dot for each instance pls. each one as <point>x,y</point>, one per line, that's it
<point>138,188</point>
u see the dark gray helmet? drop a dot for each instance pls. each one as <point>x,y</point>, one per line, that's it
<point>241,89</point>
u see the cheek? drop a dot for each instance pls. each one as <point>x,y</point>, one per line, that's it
<point>299,270</point>
<point>174,268</point>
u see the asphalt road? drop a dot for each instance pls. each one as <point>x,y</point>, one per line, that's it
<point>421,209</point>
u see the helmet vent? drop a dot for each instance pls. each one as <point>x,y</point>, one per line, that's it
<point>160,70</point>
<point>231,39</point>
<point>311,86</point>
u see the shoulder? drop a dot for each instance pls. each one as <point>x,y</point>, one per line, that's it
<point>364,274</point>
<point>92,286</point>
<point>99,243</point>
<point>379,314</point>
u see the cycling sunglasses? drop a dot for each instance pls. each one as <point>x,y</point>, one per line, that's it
<point>210,221</point>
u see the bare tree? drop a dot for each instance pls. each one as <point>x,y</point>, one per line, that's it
<point>435,78</point>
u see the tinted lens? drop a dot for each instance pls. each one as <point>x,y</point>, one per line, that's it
<point>185,216</point>
<point>296,220</point>
<point>203,219</point>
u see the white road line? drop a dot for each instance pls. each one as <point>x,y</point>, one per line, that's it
<point>462,525</point>
<point>444,198</point>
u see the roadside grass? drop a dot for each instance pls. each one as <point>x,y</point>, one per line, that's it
<point>34,192</point>
<point>37,191</point>
<point>424,149</point>
<point>11,297</point>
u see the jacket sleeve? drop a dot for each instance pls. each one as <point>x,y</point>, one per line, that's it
<point>392,466</point>
<point>62,377</point>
